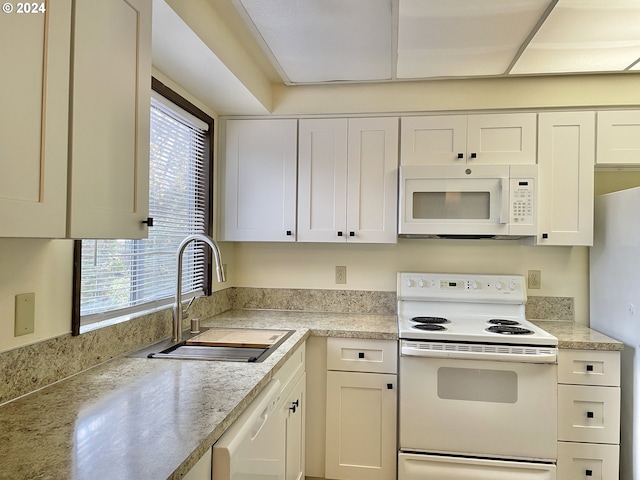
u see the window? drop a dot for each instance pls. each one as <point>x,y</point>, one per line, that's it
<point>118,279</point>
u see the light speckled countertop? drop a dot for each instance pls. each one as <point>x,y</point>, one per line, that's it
<point>136,418</point>
<point>571,335</point>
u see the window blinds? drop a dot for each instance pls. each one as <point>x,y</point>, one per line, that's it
<point>122,277</point>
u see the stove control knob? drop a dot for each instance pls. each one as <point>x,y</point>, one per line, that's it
<point>409,283</point>
<point>475,285</point>
<point>512,285</point>
<point>422,283</point>
<point>499,285</point>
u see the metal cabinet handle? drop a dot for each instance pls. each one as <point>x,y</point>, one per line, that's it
<point>340,233</point>
<point>289,233</point>
<point>360,354</point>
<point>389,386</point>
<point>294,405</point>
<point>352,234</point>
<point>474,155</point>
<point>590,415</point>
<point>589,368</point>
<point>148,221</point>
<point>461,155</point>
<point>545,235</point>
<point>588,473</point>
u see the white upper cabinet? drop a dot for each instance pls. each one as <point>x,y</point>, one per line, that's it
<point>348,180</point>
<point>34,101</point>
<point>74,148</point>
<point>259,187</point>
<point>565,178</point>
<point>618,138</point>
<point>109,155</point>
<point>492,139</point>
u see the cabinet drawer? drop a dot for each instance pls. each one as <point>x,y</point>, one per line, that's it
<point>589,367</point>
<point>362,355</point>
<point>589,414</point>
<point>293,368</point>
<point>587,461</point>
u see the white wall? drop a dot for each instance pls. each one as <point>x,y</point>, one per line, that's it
<point>373,267</point>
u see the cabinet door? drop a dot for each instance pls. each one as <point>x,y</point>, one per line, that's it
<point>259,171</point>
<point>34,101</point>
<point>322,180</point>
<point>618,138</point>
<point>565,178</point>
<point>372,190</point>
<point>109,160</point>
<point>202,469</point>
<point>501,139</point>
<point>433,140</point>
<point>295,429</point>
<point>361,426</point>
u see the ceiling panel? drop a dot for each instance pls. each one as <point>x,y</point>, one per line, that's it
<point>325,40</point>
<point>316,41</point>
<point>585,36</point>
<point>463,37</point>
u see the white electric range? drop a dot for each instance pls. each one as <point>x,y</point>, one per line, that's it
<point>478,381</point>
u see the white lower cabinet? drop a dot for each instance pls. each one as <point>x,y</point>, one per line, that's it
<point>202,469</point>
<point>294,412</point>
<point>267,439</point>
<point>588,414</point>
<point>361,410</point>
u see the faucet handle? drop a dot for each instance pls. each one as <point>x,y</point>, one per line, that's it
<point>185,310</point>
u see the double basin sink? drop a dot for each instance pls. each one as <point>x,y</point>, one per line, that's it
<point>220,344</point>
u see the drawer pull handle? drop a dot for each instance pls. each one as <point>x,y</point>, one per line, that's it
<point>589,368</point>
<point>360,354</point>
<point>590,415</point>
<point>588,473</point>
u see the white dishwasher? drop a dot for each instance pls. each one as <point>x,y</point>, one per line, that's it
<point>253,448</point>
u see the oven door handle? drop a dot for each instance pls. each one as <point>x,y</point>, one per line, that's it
<point>537,355</point>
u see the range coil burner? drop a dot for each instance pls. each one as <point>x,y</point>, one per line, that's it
<point>431,324</point>
<point>509,330</point>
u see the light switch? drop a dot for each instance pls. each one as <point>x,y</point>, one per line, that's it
<point>25,314</point>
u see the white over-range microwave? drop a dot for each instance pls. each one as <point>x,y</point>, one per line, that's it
<point>468,201</point>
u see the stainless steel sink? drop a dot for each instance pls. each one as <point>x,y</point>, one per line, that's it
<point>201,352</point>
<point>181,351</point>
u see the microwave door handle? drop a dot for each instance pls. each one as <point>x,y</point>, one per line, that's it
<point>504,200</point>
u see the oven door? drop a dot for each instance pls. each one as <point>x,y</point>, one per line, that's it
<point>433,467</point>
<point>500,409</point>
<point>454,200</point>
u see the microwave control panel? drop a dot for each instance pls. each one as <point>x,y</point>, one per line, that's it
<point>521,201</point>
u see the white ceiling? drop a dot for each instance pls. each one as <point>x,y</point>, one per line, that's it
<point>316,41</point>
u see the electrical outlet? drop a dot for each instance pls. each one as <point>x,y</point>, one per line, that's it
<point>535,279</point>
<point>25,314</point>
<point>341,274</point>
